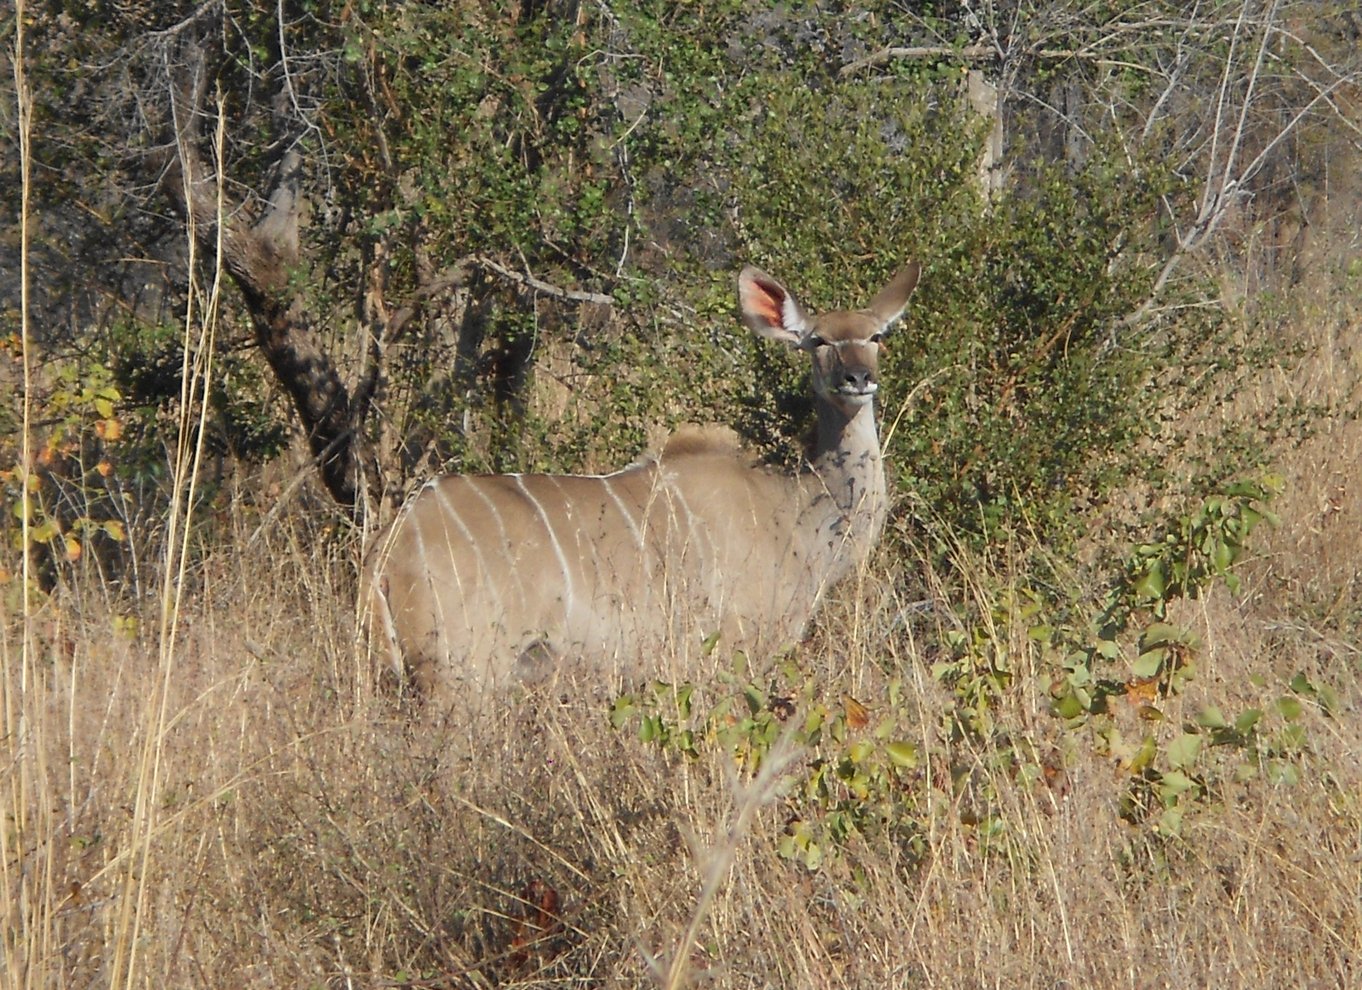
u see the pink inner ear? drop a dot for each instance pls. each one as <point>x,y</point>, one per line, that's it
<point>768,304</point>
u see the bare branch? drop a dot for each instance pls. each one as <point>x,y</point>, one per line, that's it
<point>260,259</point>
<point>969,53</point>
<point>542,287</point>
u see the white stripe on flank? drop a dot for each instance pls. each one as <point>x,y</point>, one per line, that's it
<point>439,620</point>
<point>420,537</point>
<point>485,579</point>
<point>421,555</point>
<point>695,539</point>
<point>592,546</point>
<point>506,546</point>
<point>568,592</point>
<point>619,504</point>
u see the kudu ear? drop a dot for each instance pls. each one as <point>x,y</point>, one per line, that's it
<point>769,309</point>
<point>889,305</point>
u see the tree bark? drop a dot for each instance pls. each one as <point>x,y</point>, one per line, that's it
<point>260,258</point>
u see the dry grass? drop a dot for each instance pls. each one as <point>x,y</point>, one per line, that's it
<point>304,830</point>
<point>307,832</point>
<point>298,827</point>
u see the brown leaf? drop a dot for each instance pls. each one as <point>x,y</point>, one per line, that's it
<point>858,715</point>
<point>538,922</point>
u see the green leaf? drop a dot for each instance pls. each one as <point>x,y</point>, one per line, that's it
<point>1174,784</point>
<point>1069,706</point>
<point>1170,822</point>
<point>622,710</point>
<point>902,754</point>
<point>1211,718</point>
<point>756,700</point>
<point>1150,662</point>
<point>813,856</point>
<point>1289,707</point>
<point>1283,773</point>
<point>1168,634</point>
<point>1144,756</point>
<point>1328,700</point>
<point>1294,737</point>
<point>1152,583</point>
<point>683,699</point>
<point>1247,720</point>
<point>813,721</point>
<point>1182,751</point>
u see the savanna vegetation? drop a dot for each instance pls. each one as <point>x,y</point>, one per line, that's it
<point>1091,718</point>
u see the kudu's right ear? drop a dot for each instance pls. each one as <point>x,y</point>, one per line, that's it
<point>769,309</point>
<point>889,305</point>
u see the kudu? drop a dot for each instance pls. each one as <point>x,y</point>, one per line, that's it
<point>488,580</point>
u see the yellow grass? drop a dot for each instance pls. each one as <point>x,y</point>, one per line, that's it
<point>299,827</point>
<point>308,832</point>
<point>303,829</point>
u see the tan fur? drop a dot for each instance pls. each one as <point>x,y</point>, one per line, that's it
<point>487,581</point>
<point>691,440</point>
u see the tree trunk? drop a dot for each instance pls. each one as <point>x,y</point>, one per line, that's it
<point>259,258</point>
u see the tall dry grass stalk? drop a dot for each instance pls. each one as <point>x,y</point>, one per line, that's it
<point>26,863</point>
<point>196,374</point>
<point>301,840</point>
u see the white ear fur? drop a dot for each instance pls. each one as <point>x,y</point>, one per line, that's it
<point>769,309</point>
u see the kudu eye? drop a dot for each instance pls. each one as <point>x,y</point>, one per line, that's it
<point>876,338</point>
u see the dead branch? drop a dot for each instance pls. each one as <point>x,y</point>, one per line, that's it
<point>542,287</point>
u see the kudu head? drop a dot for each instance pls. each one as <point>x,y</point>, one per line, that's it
<point>844,346</point>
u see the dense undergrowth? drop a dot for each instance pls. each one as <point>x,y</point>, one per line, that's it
<point>905,799</point>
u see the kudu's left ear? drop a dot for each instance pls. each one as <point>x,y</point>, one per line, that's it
<point>889,305</point>
<point>769,308</point>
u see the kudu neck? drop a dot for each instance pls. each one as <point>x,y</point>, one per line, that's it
<point>848,502</point>
<point>846,441</point>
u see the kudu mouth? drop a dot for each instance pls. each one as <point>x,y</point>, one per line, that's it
<point>856,394</point>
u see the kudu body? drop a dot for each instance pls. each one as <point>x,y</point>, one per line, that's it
<point>484,581</point>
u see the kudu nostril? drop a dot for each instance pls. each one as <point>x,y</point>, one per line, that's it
<point>857,379</point>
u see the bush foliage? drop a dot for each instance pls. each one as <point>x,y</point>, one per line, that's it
<point>643,153</point>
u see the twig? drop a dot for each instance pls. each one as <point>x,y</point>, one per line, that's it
<point>545,288</point>
<point>719,861</point>
<point>892,53</point>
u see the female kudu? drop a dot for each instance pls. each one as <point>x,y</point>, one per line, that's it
<point>488,580</point>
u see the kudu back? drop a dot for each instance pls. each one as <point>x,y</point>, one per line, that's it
<point>485,581</point>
